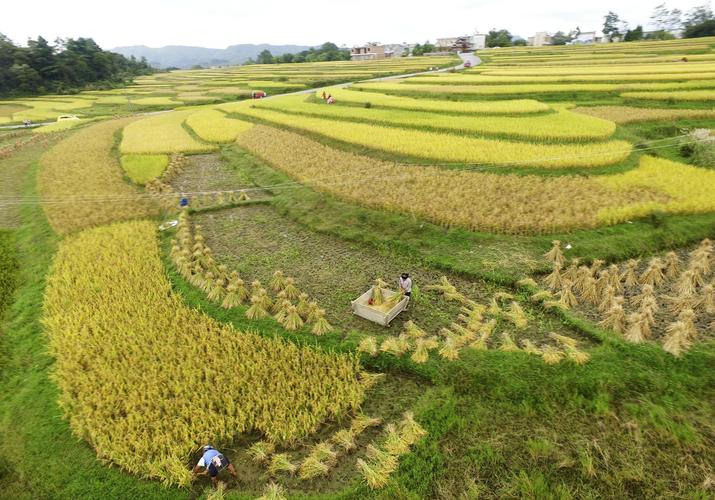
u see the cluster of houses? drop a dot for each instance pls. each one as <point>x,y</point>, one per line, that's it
<point>374,50</point>
<point>468,43</point>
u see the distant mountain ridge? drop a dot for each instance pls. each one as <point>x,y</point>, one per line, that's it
<point>185,56</point>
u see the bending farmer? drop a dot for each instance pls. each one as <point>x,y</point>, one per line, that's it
<point>213,462</point>
<point>406,285</point>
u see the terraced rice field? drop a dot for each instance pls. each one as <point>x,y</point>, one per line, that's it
<point>554,207</point>
<point>175,88</point>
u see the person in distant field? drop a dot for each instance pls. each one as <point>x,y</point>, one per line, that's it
<point>213,462</point>
<point>324,96</point>
<point>331,99</point>
<point>406,286</point>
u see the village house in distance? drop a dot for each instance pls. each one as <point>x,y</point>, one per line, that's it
<point>375,50</point>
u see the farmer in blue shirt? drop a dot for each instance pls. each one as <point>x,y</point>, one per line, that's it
<point>213,462</point>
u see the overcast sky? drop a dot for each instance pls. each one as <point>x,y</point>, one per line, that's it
<point>219,23</point>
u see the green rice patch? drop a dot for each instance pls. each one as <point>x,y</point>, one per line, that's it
<point>144,168</point>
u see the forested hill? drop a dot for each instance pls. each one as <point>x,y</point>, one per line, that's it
<point>65,66</point>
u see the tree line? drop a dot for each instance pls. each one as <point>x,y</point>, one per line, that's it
<point>66,66</point>
<point>697,22</point>
<point>326,52</point>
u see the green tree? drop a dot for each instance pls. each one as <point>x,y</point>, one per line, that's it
<point>68,65</point>
<point>561,38</point>
<point>265,57</point>
<point>706,28</point>
<point>499,38</point>
<point>27,80</point>
<point>41,57</point>
<point>612,26</point>
<point>634,34</point>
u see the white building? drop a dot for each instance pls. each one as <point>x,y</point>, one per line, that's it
<point>446,43</point>
<point>540,39</point>
<point>587,37</point>
<point>478,41</point>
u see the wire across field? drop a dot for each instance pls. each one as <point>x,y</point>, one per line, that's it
<point>481,201</point>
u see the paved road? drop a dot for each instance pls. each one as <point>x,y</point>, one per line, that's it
<point>10,127</point>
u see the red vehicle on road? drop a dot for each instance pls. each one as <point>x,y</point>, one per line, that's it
<point>258,94</point>
<point>468,64</point>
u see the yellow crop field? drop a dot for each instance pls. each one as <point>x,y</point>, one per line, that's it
<point>81,184</point>
<point>261,84</point>
<point>500,203</point>
<point>112,99</point>
<point>144,379</point>
<point>155,101</point>
<point>560,125</point>
<point>505,107</point>
<point>439,147</point>
<point>628,114</point>
<point>634,69</point>
<point>679,95</point>
<point>612,59</point>
<point>230,91</point>
<point>528,88</point>
<point>161,133</point>
<point>213,126</point>
<point>689,189</point>
<point>474,79</point>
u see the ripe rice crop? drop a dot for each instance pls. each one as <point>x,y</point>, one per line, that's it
<point>506,107</point>
<point>213,126</point>
<point>234,91</point>
<point>636,69</point>
<point>145,382</point>
<point>144,168</point>
<point>627,114</point>
<point>451,148</point>
<point>161,133</point>
<point>689,189</point>
<point>156,101</point>
<point>561,125</point>
<point>501,203</point>
<point>83,167</point>
<point>472,79</point>
<point>112,99</point>
<point>605,59</point>
<point>681,95</point>
<point>267,84</point>
<point>530,88</point>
